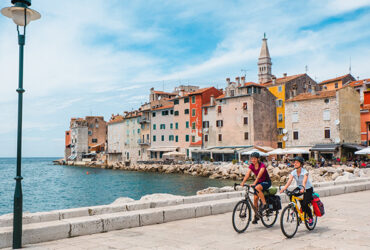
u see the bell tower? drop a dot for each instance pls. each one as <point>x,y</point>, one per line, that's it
<point>264,63</point>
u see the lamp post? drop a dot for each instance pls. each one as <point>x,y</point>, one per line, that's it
<point>21,15</point>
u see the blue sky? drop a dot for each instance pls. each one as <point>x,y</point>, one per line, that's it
<point>104,58</point>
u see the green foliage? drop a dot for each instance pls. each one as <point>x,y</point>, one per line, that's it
<point>235,161</point>
<point>206,158</point>
<point>343,159</point>
<point>312,161</point>
<point>211,160</point>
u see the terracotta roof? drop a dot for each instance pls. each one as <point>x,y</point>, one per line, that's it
<point>163,93</point>
<point>132,114</point>
<point>199,91</point>
<point>252,84</point>
<point>334,79</point>
<point>365,106</point>
<point>282,80</point>
<point>309,96</point>
<point>221,96</point>
<point>359,82</point>
<point>164,107</point>
<point>115,119</point>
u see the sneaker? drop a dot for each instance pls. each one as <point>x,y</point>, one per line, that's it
<point>310,222</point>
<point>255,220</point>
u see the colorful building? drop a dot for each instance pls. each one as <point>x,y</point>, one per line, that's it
<point>336,83</point>
<point>115,137</point>
<point>365,119</point>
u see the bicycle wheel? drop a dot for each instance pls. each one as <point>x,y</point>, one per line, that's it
<point>314,219</point>
<point>269,217</point>
<point>241,216</point>
<point>289,221</point>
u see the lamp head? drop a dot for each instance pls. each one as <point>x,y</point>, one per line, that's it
<point>20,13</point>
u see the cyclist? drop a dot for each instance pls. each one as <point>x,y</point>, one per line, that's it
<point>300,175</point>
<point>262,182</point>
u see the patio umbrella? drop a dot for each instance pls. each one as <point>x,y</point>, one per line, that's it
<point>254,150</point>
<point>364,151</point>
<point>278,151</point>
<point>297,151</point>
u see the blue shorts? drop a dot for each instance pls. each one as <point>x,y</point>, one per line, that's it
<point>265,185</point>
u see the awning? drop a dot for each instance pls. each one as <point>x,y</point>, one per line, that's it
<point>174,153</point>
<point>325,147</point>
<point>365,151</point>
<point>255,150</point>
<point>300,150</point>
<point>72,157</point>
<point>353,146</point>
<point>163,149</point>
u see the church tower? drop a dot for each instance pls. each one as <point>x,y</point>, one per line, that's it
<point>264,63</point>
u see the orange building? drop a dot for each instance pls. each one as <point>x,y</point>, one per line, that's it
<point>67,149</point>
<point>336,83</point>
<point>365,119</point>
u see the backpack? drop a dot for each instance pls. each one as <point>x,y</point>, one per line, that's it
<point>318,206</point>
<point>274,201</point>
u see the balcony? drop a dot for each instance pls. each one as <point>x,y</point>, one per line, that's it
<point>144,120</point>
<point>143,142</point>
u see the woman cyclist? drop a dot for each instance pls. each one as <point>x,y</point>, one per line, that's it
<point>262,182</point>
<point>301,177</point>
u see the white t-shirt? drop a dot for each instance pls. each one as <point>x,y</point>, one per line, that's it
<point>299,179</point>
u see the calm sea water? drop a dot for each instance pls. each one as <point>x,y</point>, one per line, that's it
<point>48,187</point>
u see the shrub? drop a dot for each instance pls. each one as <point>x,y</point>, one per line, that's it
<point>312,161</point>
<point>234,161</point>
<point>211,160</point>
<point>205,158</point>
<point>343,159</point>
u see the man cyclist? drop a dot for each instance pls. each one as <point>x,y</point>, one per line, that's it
<point>301,177</point>
<point>262,182</point>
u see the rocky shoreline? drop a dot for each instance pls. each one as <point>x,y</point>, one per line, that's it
<point>236,172</point>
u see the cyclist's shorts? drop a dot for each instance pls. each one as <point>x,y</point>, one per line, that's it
<point>265,185</point>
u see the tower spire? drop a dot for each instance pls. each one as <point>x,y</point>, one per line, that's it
<point>264,62</point>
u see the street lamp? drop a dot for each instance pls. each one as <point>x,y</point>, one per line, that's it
<point>21,15</point>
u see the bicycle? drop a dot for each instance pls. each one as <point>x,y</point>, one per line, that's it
<point>242,211</point>
<point>292,215</point>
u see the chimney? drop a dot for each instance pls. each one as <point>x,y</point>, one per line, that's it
<point>228,81</point>
<point>237,80</point>
<point>181,92</point>
<point>212,101</point>
<point>285,74</point>
<point>273,79</point>
<point>243,80</point>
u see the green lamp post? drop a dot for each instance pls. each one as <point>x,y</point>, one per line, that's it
<point>21,15</point>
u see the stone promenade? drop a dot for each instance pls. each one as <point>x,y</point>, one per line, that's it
<point>346,225</point>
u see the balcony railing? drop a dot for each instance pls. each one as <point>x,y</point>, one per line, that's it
<point>144,120</point>
<point>143,142</point>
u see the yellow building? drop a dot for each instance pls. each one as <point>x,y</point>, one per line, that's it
<point>336,83</point>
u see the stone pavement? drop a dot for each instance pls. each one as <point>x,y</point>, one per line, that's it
<point>346,225</point>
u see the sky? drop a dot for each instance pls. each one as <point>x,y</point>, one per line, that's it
<point>98,57</point>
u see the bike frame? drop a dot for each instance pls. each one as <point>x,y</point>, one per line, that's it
<point>294,202</point>
<point>248,199</point>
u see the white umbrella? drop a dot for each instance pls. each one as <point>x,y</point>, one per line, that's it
<point>174,153</point>
<point>278,151</point>
<point>254,150</point>
<point>364,151</point>
<point>297,151</point>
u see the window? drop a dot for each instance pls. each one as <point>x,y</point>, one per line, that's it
<point>206,124</point>
<point>170,138</point>
<point>249,90</point>
<point>153,114</point>
<point>280,131</point>
<point>193,138</point>
<point>295,135</point>
<point>171,111</point>
<point>154,126</point>
<point>232,92</point>
<point>219,123</point>
<point>245,120</point>
<point>165,112</point>
<point>94,140</point>
<point>245,106</point>
<point>280,88</point>
<point>336,85</point>
<point>187,125</point>
<point>279,103</point>
<point>133,131</point>
<point>246,136</point>
<point>193,112</point>
<point>205,111</point>
<point>90,132</point>
<point>139,152</point>
<point>295,117</point>
<point>219,109</point>
<point>280,117</point>
<point>147,137</point>
<point>326,115</point>
<point>205,137</point>
<point>171,126</point>
<point>162,126</point>
<point>220,137</point>
<point>326,100</point>
<point>138,131</point>
<point>186,138</point>
<point>193,125</point>
<point>97,125</point>
<point>176,113</point>
<point>162,137</point>
<point>193,99</point>
<point>175,102</point>
<point>186,99</point>
<point>327,133</point>
<point>186,111</point>
<point>177,138</point>
<point>177,125</point>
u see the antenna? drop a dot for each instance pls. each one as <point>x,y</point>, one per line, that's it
<point>350,65</point>
<point>306,68</point>
<point>245,72</point>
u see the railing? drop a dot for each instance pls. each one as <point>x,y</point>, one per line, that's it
<point>143,142</point>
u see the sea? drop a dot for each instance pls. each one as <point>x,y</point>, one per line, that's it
<point>49,187</point>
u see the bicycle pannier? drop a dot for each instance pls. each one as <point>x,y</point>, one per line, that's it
<point>318,207</point>
<point>275,201</point>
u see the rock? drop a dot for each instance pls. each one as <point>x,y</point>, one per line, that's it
<point>227,189</point>
<point>210,190</point>
<point>283,179</point>
<point>349,169</point>
<point>346,176</point>
<point>335,176</point>
<point>122,200</point>
<point>159,196</point>
<point>276,171</point>
<point>215,176</point>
